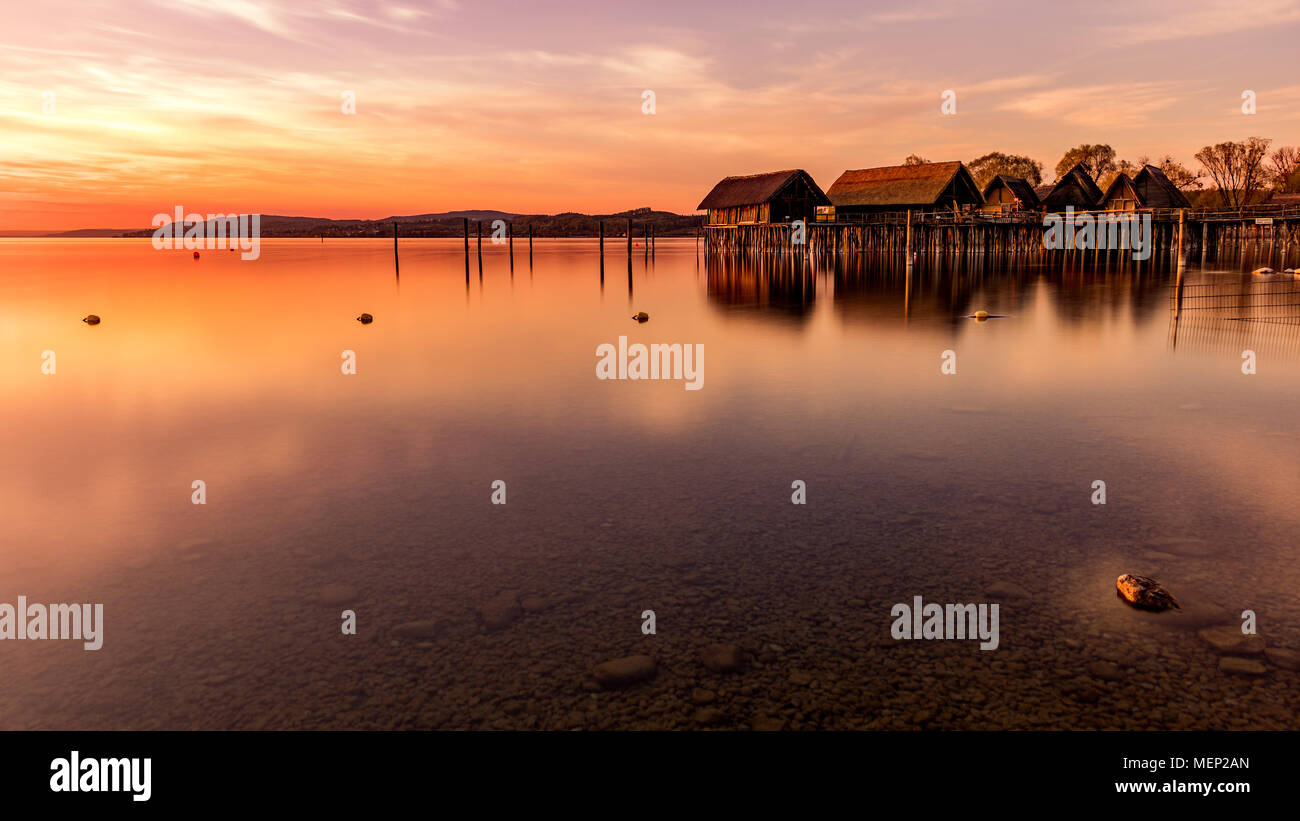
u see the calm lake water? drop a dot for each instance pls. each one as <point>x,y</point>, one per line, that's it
<point>372,492</point>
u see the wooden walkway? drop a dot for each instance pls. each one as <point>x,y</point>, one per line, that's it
<point>1270,235</point>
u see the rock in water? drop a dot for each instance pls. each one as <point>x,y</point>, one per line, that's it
<point>337,594</point>
<point>1286,659</point>
<point>501,611</point>
<point>1145,593</point>
<point>91,320</point>
<point>417,630</point>
<point>1241,667</point>
<point>624,671</point>
<point>365,319</point>
<point>642,316</point>
<point>1264,271</point>
<point>1229,639</point>
<point>721,658</point>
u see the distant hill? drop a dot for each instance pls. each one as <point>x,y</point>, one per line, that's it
<point>451,224</point>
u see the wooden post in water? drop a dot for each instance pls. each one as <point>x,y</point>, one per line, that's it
<point>530,245</point>
<point>466,220</point>
<point>1182,254</point>
<point>479,223</point>
<point>907,246</point>
<point>629,247</point>
<point>394,247</point>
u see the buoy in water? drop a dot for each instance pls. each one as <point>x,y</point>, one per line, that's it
<point>196,254</point>
<point>642,316</point>
<point>981,315</point>
<point>365,319</point>
<point>91,319</point>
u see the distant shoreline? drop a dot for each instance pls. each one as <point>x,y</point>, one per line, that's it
<point>445,225</point>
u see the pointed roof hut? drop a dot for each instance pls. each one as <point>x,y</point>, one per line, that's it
<point>1008,193</point>
<point>1121,195</point>
<point>1076,189</point>
<point>1155,190</point>
<point>775,196</point>
<point>925,187</point>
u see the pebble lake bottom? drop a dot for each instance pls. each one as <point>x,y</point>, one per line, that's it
<point>370,492</point>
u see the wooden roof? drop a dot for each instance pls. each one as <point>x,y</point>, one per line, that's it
<point>899,185</point>
<point>1074,188</point>
<point>757,188</point>
<point>1018,186</point>
<point>1155,190</point>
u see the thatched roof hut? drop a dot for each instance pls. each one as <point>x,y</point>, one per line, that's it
<point>1075,189</point>
<point>1155,190</point>
<point>776,196</point>
<point>1120,195</point>
<point>926,187</point>
<point>1007,193</point>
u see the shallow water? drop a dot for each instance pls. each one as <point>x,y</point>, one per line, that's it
<point>627,496</point>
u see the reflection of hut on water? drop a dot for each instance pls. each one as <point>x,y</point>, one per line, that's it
<point>1005,194</point>
<point>762,199</point>
<point>934,186</point>
<point>780,287</point>
<point>869,288</point>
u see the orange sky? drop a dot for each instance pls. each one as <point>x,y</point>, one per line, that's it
<point>235,105</point>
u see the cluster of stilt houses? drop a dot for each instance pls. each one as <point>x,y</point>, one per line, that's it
<point>939,208</point>
<point>785,196</point>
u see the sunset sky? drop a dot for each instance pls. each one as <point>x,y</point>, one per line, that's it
<point>235,105</point>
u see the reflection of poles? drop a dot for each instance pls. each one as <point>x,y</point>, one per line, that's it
<point>907,292</point>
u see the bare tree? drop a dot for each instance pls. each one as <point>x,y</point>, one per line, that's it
<point>1183,178</point>
<point>1237,168</point>
<point>915,159</point>
<point>1282,166</point>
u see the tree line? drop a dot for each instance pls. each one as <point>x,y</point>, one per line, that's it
<point>1231,174</point>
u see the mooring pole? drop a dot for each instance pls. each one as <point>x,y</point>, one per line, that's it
<point>629,247</point>
<point>466,220</point>
<point>907,247</point>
